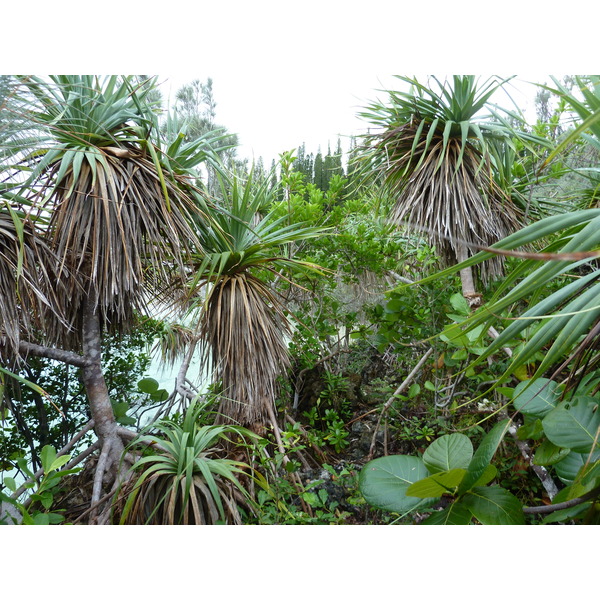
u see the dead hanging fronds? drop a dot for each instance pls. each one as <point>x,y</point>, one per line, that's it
<point>111,226</point>
<point>173,340</point>
<point>29,290</point>
<point>244,331</point>
<point>456,202</point>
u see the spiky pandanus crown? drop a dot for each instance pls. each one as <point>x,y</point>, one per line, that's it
<point>433,154</point>
<point>118,208</point>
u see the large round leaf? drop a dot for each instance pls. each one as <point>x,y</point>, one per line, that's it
<point>549,454</point>
<point>536,397</point>
<point>574,424</point>
<point>383,482</point>
<point>448,452</point>
<point>148,385</point>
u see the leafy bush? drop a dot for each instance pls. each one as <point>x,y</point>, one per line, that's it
<point>449,468</point>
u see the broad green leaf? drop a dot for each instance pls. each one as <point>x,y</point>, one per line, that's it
<point>120,408</point>
<point>488,475</point>
<point>47,499</point>
<point>383,482</point>
<point>10,483</point>
<point>457,337</point>
<point>460,355</point>
<point>455,514</point>
<point>483,455</point>
<point>521,372</point>
<point>160,395</point>
<point>574,424</point>
<point>592,473</point>
<point>549,454</point>
<point>568,468</point>
<point>148,385</point>
<point>459,304</point>
<point>41,519</point>
<point>58,462</point>
<point>55,519</point>
<point>571,492</point>
<point>414,390</point>
<point>494,506</point>
<point>22,463</point>
<point>436,485</point>
<point>506,391</point>
<point>47,456</point>
<point>532,429</point>
<point>453,451</point>
<point>536,397</point>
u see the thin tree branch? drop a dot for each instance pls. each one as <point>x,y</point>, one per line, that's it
<point>63,450</point>
<point>540,471</point>
<point>398,391</point>
<point>100,468</point>
<point>180,386</point>
<point>79,458</point>
<point>550,508</point>
<point>130,436</point>
<point>83,455</point>
<point>65,356</point>
<point>93,507</point>
<point>294,476</point>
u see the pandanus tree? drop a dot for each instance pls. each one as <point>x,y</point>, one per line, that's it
<point>564,325</point>
<point>432,150</point>
<point>240,316</point>
<point>115,216</point>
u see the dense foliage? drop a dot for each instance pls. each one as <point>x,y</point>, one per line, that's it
<point>404,333</point>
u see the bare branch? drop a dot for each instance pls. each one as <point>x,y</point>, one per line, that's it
<point>540,471</point>
<point>100,468</point>
<point>130,436</point>
<point>550,508</point>
<point>393,397</point>
<point>62,451</point>
<point>64,356</point>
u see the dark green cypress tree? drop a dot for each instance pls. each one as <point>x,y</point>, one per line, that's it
<point>339,154</point>
<point>319,175</point>
<point>301,163</point>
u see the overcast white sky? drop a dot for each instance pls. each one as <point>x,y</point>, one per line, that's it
<point>278,113</point>
<point>291,72</point>
<point>273,113</point>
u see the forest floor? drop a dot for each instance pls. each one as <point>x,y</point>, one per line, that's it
<point>342,421</point>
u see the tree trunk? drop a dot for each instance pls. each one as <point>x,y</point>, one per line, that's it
<point>106,426</point>
<point>467,280</point>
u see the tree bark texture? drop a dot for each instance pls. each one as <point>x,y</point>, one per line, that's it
<point>106,427</point>
<point>467,280</point>
<point>65,356</point>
